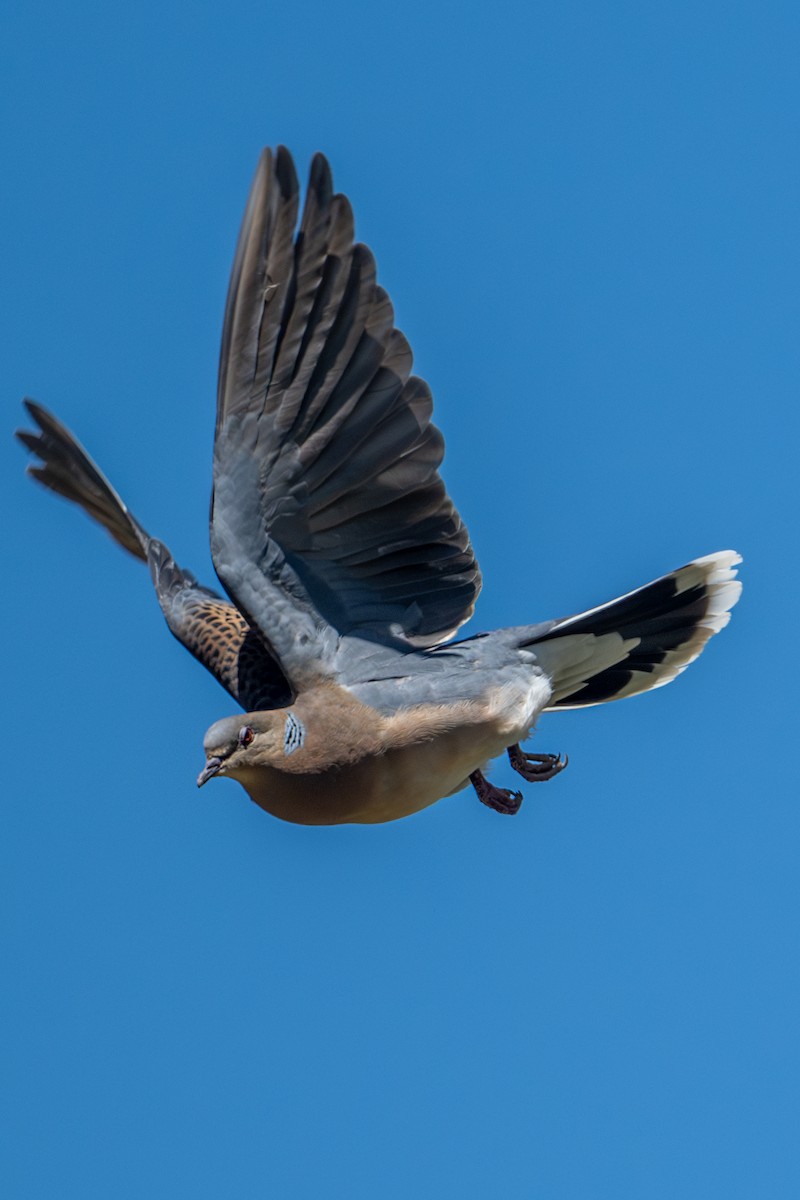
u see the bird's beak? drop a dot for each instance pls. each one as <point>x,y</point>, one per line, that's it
<point>210,769</point>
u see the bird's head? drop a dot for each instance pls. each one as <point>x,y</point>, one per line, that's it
<point>236,744</point>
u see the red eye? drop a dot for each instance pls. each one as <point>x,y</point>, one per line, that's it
<point>246,736</point>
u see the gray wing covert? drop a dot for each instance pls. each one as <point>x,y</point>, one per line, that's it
<point>329,515</point>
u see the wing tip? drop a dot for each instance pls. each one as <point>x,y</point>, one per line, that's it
<point>285,173</point>
<point>320,179</point>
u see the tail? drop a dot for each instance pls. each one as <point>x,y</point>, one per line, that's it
<point>66,468</point>
<point>642,640</point>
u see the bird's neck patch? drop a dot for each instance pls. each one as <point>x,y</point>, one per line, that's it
<point>294,734</point>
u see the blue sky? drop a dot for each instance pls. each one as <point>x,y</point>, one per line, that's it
<point>587,218</point>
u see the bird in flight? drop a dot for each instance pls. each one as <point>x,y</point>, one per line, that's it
<point>346,567</point>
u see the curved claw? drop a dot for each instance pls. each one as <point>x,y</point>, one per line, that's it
<point>536,768</point>
<point>500,799</point>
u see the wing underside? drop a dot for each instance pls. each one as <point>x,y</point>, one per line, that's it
<point>326,460</point>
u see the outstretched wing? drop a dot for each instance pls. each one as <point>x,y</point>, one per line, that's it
<point>209,627</point>
<point>329,516</point>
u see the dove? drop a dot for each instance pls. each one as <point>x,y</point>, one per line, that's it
<point>345,566</point>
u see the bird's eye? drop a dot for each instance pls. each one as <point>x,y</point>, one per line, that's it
<point>246,736</point>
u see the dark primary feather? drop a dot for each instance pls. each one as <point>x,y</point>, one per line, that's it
<point>67,469</point>
<point>326,461</point>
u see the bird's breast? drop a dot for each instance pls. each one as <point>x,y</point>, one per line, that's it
<point>413,758</point>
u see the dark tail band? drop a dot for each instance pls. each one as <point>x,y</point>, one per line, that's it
<point>642,640</point>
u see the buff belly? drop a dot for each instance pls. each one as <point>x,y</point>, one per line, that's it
<point>381,788</point>
<point>398,781</point>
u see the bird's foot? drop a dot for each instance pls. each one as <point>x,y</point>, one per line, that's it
<point>535,768</point>
<point>500,799</point>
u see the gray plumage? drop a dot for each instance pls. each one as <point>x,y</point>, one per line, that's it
<point>326,485</point>
<point>346,565</point>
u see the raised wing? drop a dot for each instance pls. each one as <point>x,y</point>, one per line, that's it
<point>329,516</point>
